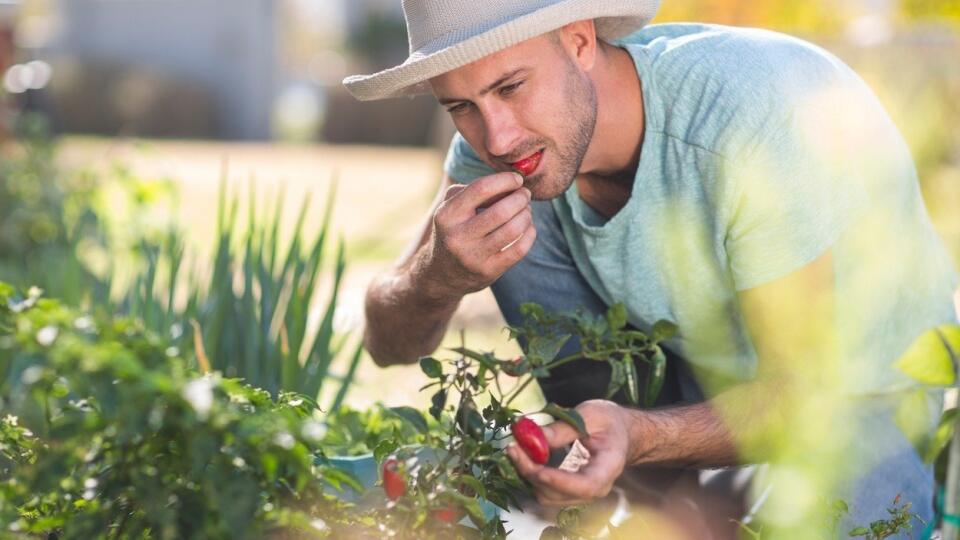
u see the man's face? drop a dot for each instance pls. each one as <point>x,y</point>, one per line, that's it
<point>528,108</point>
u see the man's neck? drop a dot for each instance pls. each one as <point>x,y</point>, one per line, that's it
<point>614,151</point>
<point>605,181</point>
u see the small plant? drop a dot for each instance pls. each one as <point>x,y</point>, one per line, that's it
<point>108,434</point>
<point>899,521</point>
<point>463,461</point>
<point>249,317</point>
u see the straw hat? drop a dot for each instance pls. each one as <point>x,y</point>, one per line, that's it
<point>447,34</point>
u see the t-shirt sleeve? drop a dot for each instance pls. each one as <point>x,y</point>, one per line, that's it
<point>793,190</point>
<point>462,164</point>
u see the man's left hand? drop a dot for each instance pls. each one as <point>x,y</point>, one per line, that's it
<point>608,426</point>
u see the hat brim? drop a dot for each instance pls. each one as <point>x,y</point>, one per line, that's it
<point>614,19</point>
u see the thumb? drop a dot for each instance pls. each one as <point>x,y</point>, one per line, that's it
<point>560,434</point>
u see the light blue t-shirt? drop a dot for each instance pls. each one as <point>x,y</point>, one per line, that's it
<point>761,152</point>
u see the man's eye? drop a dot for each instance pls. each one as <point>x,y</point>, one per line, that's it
<point>458,108</point>
<point>510,88</point>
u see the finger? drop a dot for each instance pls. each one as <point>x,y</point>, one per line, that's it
<point>481,191</point>
<point>453,191</point>
<point>507,234</point>
<point>528,469</point>
<point>525,466</point>
<point>512,254</point>
<point>565,485</point>
<point>500,212</point>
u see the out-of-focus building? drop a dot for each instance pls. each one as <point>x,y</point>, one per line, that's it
<point>210,64</point>
<point>8,13</point>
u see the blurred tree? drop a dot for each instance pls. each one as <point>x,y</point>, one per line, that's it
<point>816,16</point>
<point>931,9</point>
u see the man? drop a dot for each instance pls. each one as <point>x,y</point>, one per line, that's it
<point>743,184</point>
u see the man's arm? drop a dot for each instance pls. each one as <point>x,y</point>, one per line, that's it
<point>459,251</point>
<point>791,323</point>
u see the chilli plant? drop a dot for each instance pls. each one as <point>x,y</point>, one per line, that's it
<point>436,489</point>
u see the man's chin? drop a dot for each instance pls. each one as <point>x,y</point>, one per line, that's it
<point>544,188</point>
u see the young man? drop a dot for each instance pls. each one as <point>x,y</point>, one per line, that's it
<point>743,184</point>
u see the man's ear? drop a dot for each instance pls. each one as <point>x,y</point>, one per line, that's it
<point>579,40</point>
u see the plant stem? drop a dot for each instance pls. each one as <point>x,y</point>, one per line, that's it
<point>950,504</point>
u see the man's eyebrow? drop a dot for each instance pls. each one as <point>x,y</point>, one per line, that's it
<point>506,77</point>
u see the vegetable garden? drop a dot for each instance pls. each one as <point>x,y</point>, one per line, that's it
<point>173,403</point>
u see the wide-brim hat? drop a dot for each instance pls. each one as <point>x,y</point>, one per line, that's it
<point>447,34</point>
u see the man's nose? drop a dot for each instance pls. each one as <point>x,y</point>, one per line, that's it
<point>502,131</point>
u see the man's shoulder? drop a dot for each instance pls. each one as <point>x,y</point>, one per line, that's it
<point>719,78</point>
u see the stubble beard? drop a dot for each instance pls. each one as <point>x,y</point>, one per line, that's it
<point>582,97</point>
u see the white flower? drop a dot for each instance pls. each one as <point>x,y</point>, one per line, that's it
<point>319,524</point>
<point>284,440</point>
<point>83,324</point>
<point>47,335</point>
<point>313,430</point>
<point>199,394</point>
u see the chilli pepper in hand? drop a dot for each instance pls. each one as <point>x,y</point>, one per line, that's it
<point>531,438</point>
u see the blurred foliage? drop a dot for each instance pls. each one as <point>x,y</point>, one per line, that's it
<point>79,236</point>
<point>351,432</point>
<point>930,9</point>
<point>817,16</point>
<point>108,434</point>
<point>48,220</point>
<point>252,310</point>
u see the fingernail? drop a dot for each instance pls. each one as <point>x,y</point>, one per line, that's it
<point>519,178</point>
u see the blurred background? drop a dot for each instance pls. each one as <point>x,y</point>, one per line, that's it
<point>138,111</point>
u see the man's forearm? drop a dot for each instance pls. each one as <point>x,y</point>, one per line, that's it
<point>707,434</point>
<point>405,319</point>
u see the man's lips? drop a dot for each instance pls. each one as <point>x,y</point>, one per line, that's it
<point>527,165</point>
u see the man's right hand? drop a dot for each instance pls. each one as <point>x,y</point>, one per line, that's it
<point>479,231</point>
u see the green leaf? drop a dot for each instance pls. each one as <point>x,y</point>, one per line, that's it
<point>633,387</point>
<point>941,438</point>
<point>569,518</point>
<point>431,367</point>
<point>928,360</point>
<point>546,348</point>
<point>439,401</point>
<point>470,421</point>
<point>617,316</point>
<point>618,377</point>
<point>476,487</point>
<point>411,416</point>
<point>655,376</point>
<point>384,449</point>
<point>859,531</point>
<point>663,330</point>
<point>570,416</point>
<point>913,417</point>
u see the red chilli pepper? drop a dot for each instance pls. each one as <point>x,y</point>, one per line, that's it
<point>447,514</point>
<point>531,438</point>
<point>393,482</point>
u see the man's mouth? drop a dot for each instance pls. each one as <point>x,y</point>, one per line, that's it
<point>529,164</point>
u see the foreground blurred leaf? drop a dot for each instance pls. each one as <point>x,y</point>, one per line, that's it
<point>930,359</point>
